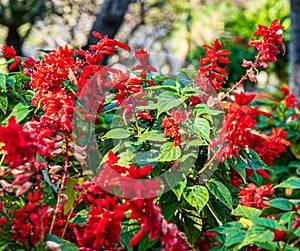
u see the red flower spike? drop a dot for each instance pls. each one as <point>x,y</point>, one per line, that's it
<point>209,68</point>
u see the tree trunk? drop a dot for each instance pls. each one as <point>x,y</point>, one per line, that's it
<point>108,20</point>
<point>294,50</point>
<point>13,38</point>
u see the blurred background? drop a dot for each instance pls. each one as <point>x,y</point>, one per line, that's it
<point>176,28</point>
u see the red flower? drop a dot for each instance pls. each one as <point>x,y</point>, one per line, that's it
<point>103,228</point>
<point>20,145</point>
<point>143,56</point>
<point>296,223</point>
<point>279,235</point>
<point>209,65</point>
<point>31,221</point>
<point>8,51</point>
<point>170,124</point>
<point>272,39</point>
<point>254,196</point>
<point>236,132</point>
<point>145,115</point>
<point>290,99</point>
<point>243,99</point>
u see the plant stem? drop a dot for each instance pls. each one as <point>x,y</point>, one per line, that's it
<point>212,212</point>
<point>63,180</point>
<point>2,159</point>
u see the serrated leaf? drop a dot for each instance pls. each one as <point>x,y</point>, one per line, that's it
<point>234,237</point>
<point>280,203</point>
<point>293,182</point>
<point>20,112</point>
<point>3,102</point>
<point>265,222</point>
<point>202,128</point>
<point>184,79</point>
<point>220,191</point>
<point>169,152</point>
<point>197,196</point>
<point>70,192</point>
<point>117,133</point>
<point>3,81</point>
<point>81,217</point>
<point>257,234</point>
<point>246,211</point>
<point>167,101</point>
<point>196,143</point>
<point>65,245</point>
<point>153,135</point>
<point>228,227</point>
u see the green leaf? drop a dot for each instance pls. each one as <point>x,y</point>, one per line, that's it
<point>280,203</point>
<point>177,181</point>
<point>234,237</point>
<point>153,135</point>
<point>3,102</point>
<point>169,204</point>
<point>167,101</point>
<point>238,165</point>
<point>145,243</point>
<point>192,225</point>
<point>202,128</point>
<point>169,152</point>
<point>265,222</point>
<point>184,79</point>
<point>246,211</point>
<point>65,245</point>
<point>3,81</point>
<point>293,182</point>
<point>117,133</point>
<point>228,227</point>
<point>129,229</point>
<point>220,191</point>
<point>70,192</point>
<point>253,159</point>
<point>11,82</point>
<point>20,112</point>
<point>197,196</point>
<point>81,217</point>
<point>163,87</point>
<point>196,143</point>
<point>257,234</point>
<point>125,158</point>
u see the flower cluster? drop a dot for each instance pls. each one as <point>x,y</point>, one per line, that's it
<point>129,201</point>
<point>237,131</point>
<point>267,49</point>
<point>254,196</point>
<point>210,69</point>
